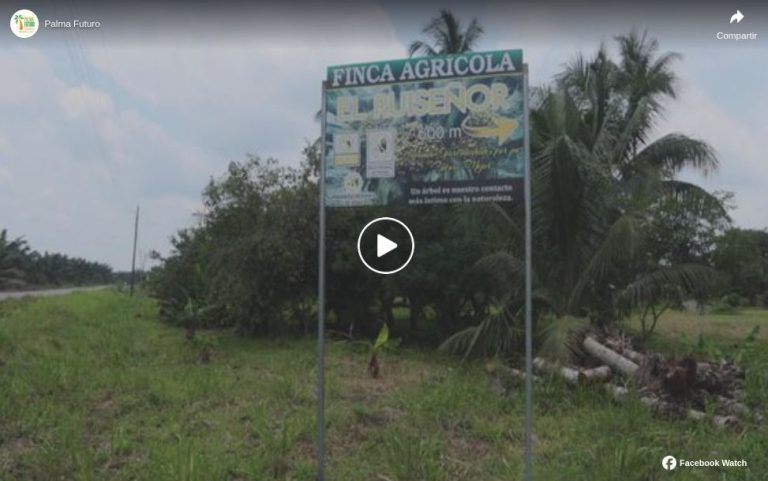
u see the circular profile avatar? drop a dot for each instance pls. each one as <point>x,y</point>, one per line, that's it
<point>24,23</point>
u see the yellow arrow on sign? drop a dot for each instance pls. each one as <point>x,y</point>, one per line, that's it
<point>502,128</point>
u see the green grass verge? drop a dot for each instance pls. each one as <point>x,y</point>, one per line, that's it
<point>726,327</point>
<point>94,387</point>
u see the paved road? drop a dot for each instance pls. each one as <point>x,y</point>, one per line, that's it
<point>48,292</point>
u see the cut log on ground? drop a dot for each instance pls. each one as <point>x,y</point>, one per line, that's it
<point>616,361</point>
<point>571,376</point>
<point>600,373</point>
<point>633,356</point>
<point>723,421</point>
<point>627,352</point>
<point>681,386</point>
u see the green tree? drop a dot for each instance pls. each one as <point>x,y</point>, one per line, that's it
<point>446,36</point>
<point>251,261</point>
<point>742,255</point>
<point>20,266</point>
<point>12,255</point>
<point>598,180</point>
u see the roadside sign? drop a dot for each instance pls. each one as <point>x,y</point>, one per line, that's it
<point>449,129</point>
<point>434,130</point>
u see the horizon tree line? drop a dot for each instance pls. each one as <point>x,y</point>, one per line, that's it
<point>22,267</point>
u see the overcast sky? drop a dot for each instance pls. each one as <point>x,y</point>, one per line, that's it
<point>145,109</point>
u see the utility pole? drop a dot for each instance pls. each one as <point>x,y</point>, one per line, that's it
<point>135,238</point>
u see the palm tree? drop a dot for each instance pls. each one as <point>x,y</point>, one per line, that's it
<point>12,255</point>
<point>446,36</point>
<point>597,178</point>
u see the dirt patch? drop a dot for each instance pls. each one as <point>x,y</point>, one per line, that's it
<point>466,447</point>
<point>12,450</point>
<point>378,417</point>
<point>396,374</point>
<point>117,463</point>
<point>106,406</point>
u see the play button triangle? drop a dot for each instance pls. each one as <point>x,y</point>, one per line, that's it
<point>384,245</point>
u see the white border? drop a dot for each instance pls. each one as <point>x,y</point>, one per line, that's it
<point>410,234</point>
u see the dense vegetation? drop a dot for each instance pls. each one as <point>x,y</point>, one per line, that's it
<point>742,256</point>
<point>21,267</point>
<point>615,230</point>
<point>95,388</point>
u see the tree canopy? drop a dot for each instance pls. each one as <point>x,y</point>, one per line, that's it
<point>616,230</point>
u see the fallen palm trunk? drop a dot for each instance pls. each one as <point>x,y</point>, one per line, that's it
<point>600,373</point>
<point>625,351</point>
<point>616,361</point>
<point>571,376</point>
<point>677,386</point>
<point>633,356</point>
<point>723,421</point>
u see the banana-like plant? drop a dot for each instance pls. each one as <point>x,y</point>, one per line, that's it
<point>374,366</point>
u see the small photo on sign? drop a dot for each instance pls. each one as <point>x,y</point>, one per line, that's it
<point>346,146</point>
<point>380,153</point>
<point>353,183</point>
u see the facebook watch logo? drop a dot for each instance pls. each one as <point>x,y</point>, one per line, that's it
<point>669,463</point>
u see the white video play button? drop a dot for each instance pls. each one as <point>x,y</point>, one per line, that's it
<point>384,245</point>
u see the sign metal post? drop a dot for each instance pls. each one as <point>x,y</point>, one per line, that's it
<point>321,308</point>
<point>528,449</point>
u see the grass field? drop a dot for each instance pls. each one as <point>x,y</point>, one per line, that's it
<point>726,327</point>
<point>92,386</point>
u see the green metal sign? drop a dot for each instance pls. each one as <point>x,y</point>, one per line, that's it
<point>434,130</point>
